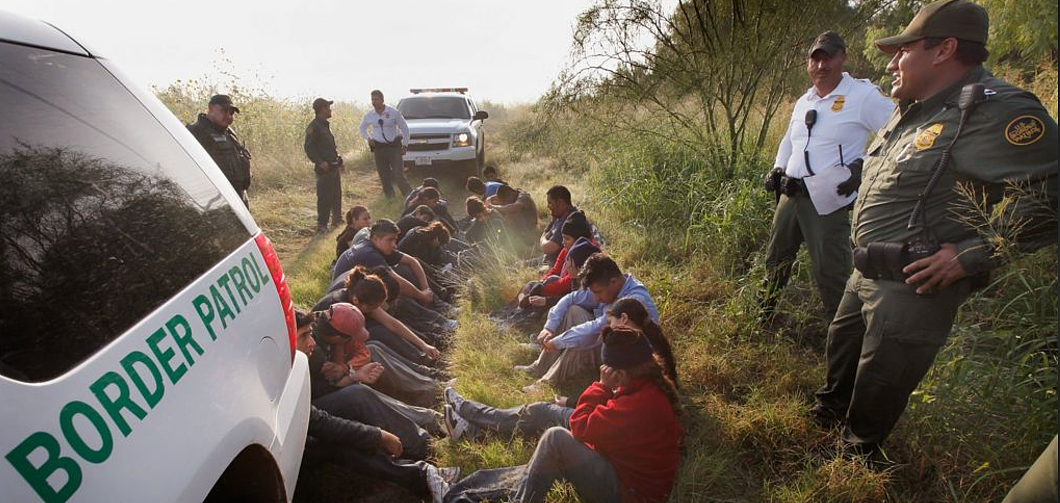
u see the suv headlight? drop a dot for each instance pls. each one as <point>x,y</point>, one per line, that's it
<point>462,139</point>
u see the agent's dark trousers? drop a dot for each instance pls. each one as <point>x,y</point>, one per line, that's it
<point>391,169</point>
<point>827,238</point>
<point>329,198</point>
<point>881,343</point>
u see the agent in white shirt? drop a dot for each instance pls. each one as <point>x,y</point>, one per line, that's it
<point>817,173</point>
<point>387,134</point>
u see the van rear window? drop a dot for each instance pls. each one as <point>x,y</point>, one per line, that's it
<point>103,215</point>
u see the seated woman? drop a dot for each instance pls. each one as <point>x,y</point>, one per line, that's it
<point>358,220</point>
<point>352,359</point>
<point>487,224</point>
<point>467,419</point>
<point>623,442</point>
<point>368,290</point>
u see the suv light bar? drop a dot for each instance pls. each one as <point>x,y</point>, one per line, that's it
<point>461,90</point>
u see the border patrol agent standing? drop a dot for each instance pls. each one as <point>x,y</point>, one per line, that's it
<point>917,257</point>
<point>389,141</point>
<point>327,164</point>
<point>217,138</point>
<point>818,169</point>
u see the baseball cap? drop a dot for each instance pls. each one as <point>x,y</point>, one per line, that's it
<point>321,103</point>
<point>830,42</point>
<point>347,320</point>
<point>960,19</point>
<point>225,101</point>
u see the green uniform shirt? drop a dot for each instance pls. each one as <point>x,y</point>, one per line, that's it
<point>1008,138</point>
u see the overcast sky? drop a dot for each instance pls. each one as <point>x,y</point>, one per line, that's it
<point>507,50</point>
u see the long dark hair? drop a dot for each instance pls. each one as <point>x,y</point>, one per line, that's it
<point>652,369</point>
<point>368,289</point>
<point>638,314</point>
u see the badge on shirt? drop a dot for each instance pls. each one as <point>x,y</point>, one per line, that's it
<point>386,114</point>
<point>1024,130</point>
<point>837,105</point>
<point>926,138</point>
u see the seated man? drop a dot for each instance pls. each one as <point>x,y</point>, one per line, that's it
<point>571,337</point>
<point>484,190</point>
<point>427,182</point>
<point>381,249</point>
<point>487,225</point>
<point>419,217</point>
<point>519,210</point>
<point>432,198</point>
<point>559,206</point>
<point>491,174</point>
<point>366,448</point>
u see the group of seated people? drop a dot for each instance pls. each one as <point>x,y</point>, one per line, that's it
<point>382,389</point>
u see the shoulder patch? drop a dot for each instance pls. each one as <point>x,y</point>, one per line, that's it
<point>1024,130</point>
<point>926,138</point>
<point>837,105</point>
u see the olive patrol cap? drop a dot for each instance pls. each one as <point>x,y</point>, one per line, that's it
<point>960,19</point>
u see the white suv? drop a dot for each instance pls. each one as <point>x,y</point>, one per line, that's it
<point>445,129</point>
<point>147,332</point>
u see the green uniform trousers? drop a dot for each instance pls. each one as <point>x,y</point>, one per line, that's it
<point>827,239</point>
<point>1038,485</point>
<point>881,343</point>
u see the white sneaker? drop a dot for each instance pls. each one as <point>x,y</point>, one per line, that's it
<point>452,398</point>
<point>437,483</point>
<point>455,426</point>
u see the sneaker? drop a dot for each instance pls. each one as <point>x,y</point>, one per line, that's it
<point>561,400</point>
<point>452,398</point>
<point>455,426</point>
<point>449,326</point>
<point>437,483</point>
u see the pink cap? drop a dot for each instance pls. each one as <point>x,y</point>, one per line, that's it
<point>346,318</point>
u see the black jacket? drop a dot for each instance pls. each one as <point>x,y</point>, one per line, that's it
<point>320,143</point>
<point>226,150</point>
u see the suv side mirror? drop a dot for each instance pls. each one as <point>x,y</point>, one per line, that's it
<point>481,115</point>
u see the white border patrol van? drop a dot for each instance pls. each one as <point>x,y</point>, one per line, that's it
<point>146,328</point>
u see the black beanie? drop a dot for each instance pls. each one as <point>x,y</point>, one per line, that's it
<point>581,251</point>
<point>627,356</point>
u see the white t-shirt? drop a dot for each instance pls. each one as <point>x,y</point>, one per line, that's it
<point>845,117</point>
<point>392,123</point>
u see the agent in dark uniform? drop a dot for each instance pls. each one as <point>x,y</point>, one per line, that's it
<point>918,257</point>
<point>214,133</point>
<point>327,164</point>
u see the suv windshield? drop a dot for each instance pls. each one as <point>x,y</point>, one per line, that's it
<point>103,216</point>
<point>424,107</point>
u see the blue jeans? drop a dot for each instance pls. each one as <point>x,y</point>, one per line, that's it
<point>363,404</point>
<point>530,419</point>
<point>559,456</point>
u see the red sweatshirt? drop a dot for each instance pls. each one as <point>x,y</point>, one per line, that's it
<point>636,430</point>
<point>562,286</point>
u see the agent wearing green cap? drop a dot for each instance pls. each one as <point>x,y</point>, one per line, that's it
<point>917,258</point>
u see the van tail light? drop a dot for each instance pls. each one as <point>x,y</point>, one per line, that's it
<point>272,261</point>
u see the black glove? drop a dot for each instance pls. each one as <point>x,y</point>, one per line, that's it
<point>848,187</point>
<point>772,179</point>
